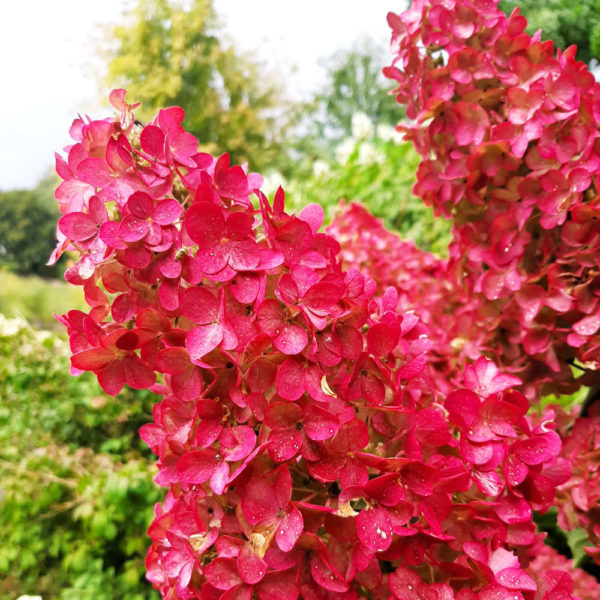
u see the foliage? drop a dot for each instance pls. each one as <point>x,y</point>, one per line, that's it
<point>28,229</point>
<point>168,53</point>
<point>77,491</point>
<point>354,85</point>
<point>379,172</point>
<point>564,22</point>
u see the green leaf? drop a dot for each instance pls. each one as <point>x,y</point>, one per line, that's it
<point>577,539</point>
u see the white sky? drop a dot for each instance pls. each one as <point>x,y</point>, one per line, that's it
<point>49,71</point>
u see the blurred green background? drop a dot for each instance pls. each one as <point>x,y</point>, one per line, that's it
<point>76,490</point>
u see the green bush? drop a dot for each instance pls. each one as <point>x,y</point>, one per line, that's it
<point>76,491</point>
<point>378,171</point>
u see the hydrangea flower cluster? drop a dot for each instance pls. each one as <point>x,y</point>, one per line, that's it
<point>578,499</point>
<point>424,283</point>
<point>584,584</point>
<point>306,448</point>
<point>508,131</point>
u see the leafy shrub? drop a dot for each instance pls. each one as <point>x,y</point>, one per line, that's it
<point>378,171</point>
<point>76,489</point>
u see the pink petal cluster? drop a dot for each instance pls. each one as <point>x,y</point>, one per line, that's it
<point>578,499</point>
<point>508,131</point>
<point>551,565</point>
<point>306,444</point>
<point>424,284</point>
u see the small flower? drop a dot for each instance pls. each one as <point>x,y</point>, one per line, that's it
<point>362,126</point>
<point>344,150</point>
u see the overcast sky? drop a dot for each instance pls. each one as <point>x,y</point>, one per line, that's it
<point>49,72</point>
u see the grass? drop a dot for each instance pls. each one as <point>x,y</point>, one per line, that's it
<point>36,300</point>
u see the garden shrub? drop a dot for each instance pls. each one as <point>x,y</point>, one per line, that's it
<point>76,489</point>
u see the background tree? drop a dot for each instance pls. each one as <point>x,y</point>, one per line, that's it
<point>355,84</point>
<point>28,229</point>
<point>170,53</point>
<point>564,21</point>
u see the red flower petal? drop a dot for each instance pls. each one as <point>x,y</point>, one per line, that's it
<point>381,339</point>
<point>140,205</point>
<point>204,339</point>
<point>197,466</point>
<point>270,317</point>
<point>289,530</point>
<point>199,305</point>
<point>92,360</point>
<point>322,297</point>
<point>374,529</point>
<point>152,141</point>
<point>137,374</point>
<point>94,171</point>
<point>514,578</point>
<point>291,340</point>
<point>205,224</point>
<point>290,380</point>
<point>319,424</point>
<point>325,577</point>
<point>167,212</point>
<point>257,502</point>
<point>222,573</point>
<point>133,229</point>
<point>586,326</point>
<point>251,567</point>
<point>278,586</point>
<point>314,215</point>
<point>244,256</point>
<point>78,226</point>
<point>538,449</point>
<point>112,377</point>
<point>237,443</point>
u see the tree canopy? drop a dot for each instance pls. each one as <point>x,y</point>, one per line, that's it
<point>566,22</point>
<point>355,84</point>
<point>28,229</point>
<point>167,53</point>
